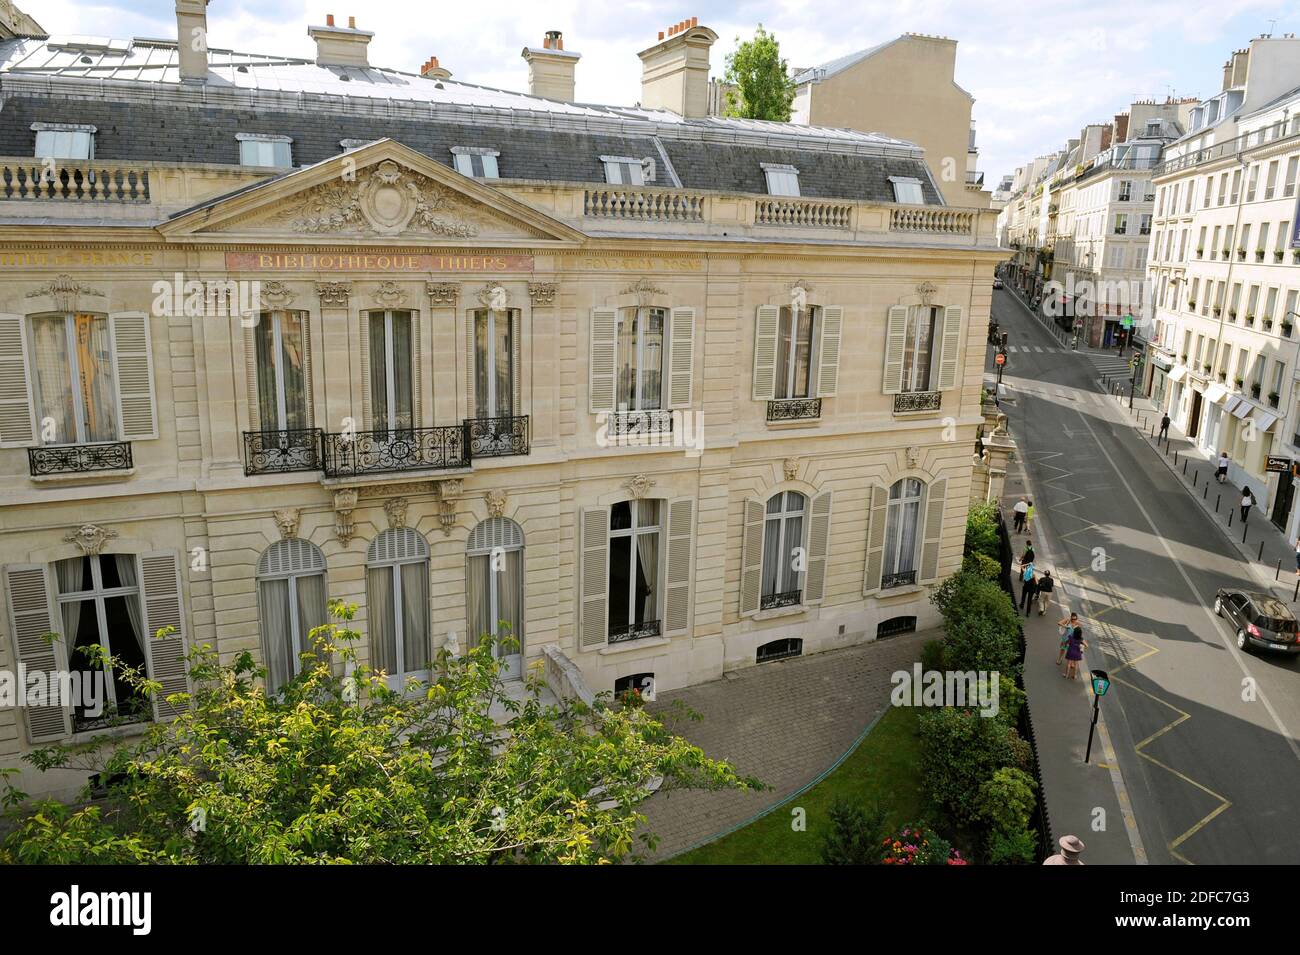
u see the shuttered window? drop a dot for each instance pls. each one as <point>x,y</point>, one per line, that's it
<point>902,533</point>
<point>494,591</point>
<point>784,558</point>
<point>797,338</point>
<point>635,541</point>
<point>73,380</point>
<point>390,352</point>
<point>922,347</point>
<point>494,362</point>
<point>292,602</point>
<point>282,378</point>
<point>32,619</point>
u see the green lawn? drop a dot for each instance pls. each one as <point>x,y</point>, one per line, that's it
<point>885,768</point>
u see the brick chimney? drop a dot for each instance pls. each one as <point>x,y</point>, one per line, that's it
<point>551,68</point>
<point>675,71</point>
<point>192,40</point>
<point>340,46</point>
<point>433,71</point>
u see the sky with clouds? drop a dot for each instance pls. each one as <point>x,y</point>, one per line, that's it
<point>1038,73</point>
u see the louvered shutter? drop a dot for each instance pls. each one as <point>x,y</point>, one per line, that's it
<point>160,589</point>
<point>819,536</point>
<point>766,329</point>
<point>516,361</point>
<point>255,422</point>
<point>877,515</point>
<point>895,341</point>
<point>681,357</point>
<point>677,598</point>
<point>31,619</point>
<point>751,557</point>
<point>367,386</point>
<point>133,363</point>
<point>17,411</point>
<point>471,409</point>
<point>308,382</point>
<point>934,501</point>
<point>600,382</point>
<point>594,574</point>
<point>828,352</point>
<point>950,348</point>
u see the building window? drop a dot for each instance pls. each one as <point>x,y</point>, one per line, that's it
<point>280,345</point>
<point>494,371</point>
<point>795,345</point>
<point>918,348</point>
<point>782,180</point>
<point>1144,228</point>
<point>907,191</point>
<point>1121,223</point>
<point>639,348</point>
<point>1292,169</point>
<point>783,560</point>
<point>73,379</point>
<point>494,591</point>
<point>64,141</point>
<point>779,650</point>
<point>1125,190</point>
<point>99,604</point>
<point>642,684</point>
<point>894,626</point>
<point>397,608</point>
<point>256,149</point>
<point>291,596</point>
<point>391,403</point>
<point>902,533</point>
<point>624,171</point>
<point>476,162</point>
<point>634,569</point>
<point>1270,181</point>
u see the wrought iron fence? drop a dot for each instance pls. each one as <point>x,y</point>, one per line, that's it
<point>497,437</point>
<point>345,454</point>
<point>631,423</point>
<point>634,631</point>
<point>79,458</point>
<point>794,409</point>
<point>280,452</point>
<point>904,579</point>
<point>917,401</point>
<point>790,598</point>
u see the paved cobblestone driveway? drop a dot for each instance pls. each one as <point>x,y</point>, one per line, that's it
<point>783,722</point>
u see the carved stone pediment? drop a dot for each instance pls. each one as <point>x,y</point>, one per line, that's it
<point>90,538</point>
<point>66,292</point>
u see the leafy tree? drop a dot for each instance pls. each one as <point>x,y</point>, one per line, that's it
<point>979,644</point>
<point>982,530</point>
<point>959,751</point>
<point>1006,800</point>
<point>762,86</point>
<point>340,768</point>
<point>854,835</point>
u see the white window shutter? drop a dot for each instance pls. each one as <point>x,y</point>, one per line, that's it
<point>819,537</point>
<point>133,363</point>
<point>516,360</point>
<point>751,558</point>
<point>160,590</point>
<point>934,502</point>
<point>765,334</point>
<point>677,598</point>
<point>30,620</point>
<point>600,382</point>
<point>877,515</point>
<point>594,556</point>
<point>17,410</point>
<point>250,375</point>
<point>950,347</point>
<point>895,342</point>
<point>470,357</point>
<point>681,357</point>
<point>828,352</point>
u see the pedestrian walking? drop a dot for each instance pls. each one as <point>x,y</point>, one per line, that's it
<point>1297,556</point>
<point>1028,588</point>
<point>1028,556</point>
<point>1029,517</point>
<point>1221,472</point>
<point>1074,653</point>
<point>1067,625</point>
<point>1020,510</point>
<point>1247,501</point>
<point>1164,425</point>
<point>1046,585</point>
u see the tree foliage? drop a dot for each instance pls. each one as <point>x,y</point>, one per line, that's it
<point>763,88</point>
<point>339,768</point>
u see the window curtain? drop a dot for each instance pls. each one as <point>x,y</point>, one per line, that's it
<point>911,512</point>
<point>312,612</point>
<point>95,368</point>
<point>772,557</point>
<point>510,595</point>
<point>478,608</point>
<point>379,410</point>
<point>626,362</point>
<point>415,616</point>
<point>793,539</point>
<point>268,411</point>
<point>53,379</point>
<point>293,345</point>
<point>127,575</point>
<point>803,354</point>
<point>379,610</point>
<point>482,407</point>
<point>652,355</point>
<point>402,356</point>
<point>72,578</point>
<point>784,351</point>
<point>647,577</point>
<point>281,662</point>
<point>502,366</point>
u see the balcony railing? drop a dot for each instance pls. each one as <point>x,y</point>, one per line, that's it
<point>83,180</point>
<point>1231,147</point>
<point>904,579</point>
<point>282,452</point>
<point>634,631</point>
<point>909,401</point>
<point>497,437</point>
<point>348,454</point>
<point>628,424</point>
<point>791,598</point>
<point>808,213</point>
<point>932,219</point>
<point>643,205</point>
<point>79,458</point>
<point>794,409</point>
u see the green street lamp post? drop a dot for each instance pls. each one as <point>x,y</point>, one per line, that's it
<point>1100,684</point>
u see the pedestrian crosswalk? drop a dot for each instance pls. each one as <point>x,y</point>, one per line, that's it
<point>1110,363</point>
<point>1040,349</point>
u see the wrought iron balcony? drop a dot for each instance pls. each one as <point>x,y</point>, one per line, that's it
<point>281,452</point>
<point>497,437</point>
<point>348,454</point>
<point>905,579</point>
<point>634,631</point>
<point>908,401</point>
<point>791,598</point>
<point>794,409</point>
<point>79,458</point>
<point>626,424</point>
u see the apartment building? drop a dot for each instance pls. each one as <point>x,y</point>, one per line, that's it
<point>1225,267</point>
<point>655,394</point>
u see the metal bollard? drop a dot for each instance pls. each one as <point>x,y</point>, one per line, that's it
<point>1297,590</point>
<point>1217,499</point>
<point>1261,552</point>
<point>1278,572</point>
<point>1245,526</point>
<point>1184,464</point>
<point>1206,491</point>
<point>1229,517</point>
<point>1175,457</point>
<point>1195,476</point>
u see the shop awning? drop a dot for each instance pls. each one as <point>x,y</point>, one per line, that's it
<point>1178,373</point>
<point>1232,402</point>
<point>1216,393</point>
<point>1264,419</point>
<point>1160,361</point>
<point>1243,409</point>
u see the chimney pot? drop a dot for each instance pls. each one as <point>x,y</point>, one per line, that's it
<point>661,34</point>
<point>352,23</point>
<point>551,69</point>
<point>695,21</point>
<point>329,19</point>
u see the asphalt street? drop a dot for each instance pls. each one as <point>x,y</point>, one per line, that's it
<point>1205,735</point>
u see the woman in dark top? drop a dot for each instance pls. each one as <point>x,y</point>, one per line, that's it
<point>1074,653</point>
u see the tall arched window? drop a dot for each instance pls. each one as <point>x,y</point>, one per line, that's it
<point>291,594</point>
<point>494,590</point>
<point>634,528</point>
<point>782,537</point>
<point>397,608</point>
<point>902,533</point>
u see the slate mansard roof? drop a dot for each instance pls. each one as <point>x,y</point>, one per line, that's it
<point>131,92</point>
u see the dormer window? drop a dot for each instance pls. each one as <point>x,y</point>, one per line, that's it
<point>476,161</point>
<point>907,191</point>
<point>628,171</point>
<point>261,149</point>
<point>782,180</point>
<point>64,141</point>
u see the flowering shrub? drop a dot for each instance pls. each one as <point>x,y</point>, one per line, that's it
<point>918,845</point>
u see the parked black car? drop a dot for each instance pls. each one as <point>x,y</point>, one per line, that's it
<point>997,282</point>
<point>1261,620</point>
